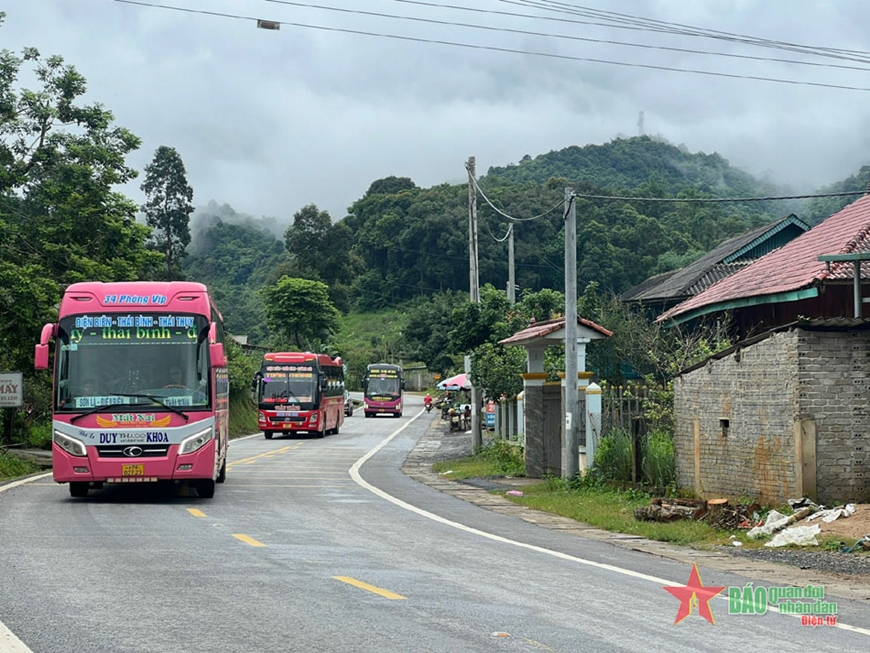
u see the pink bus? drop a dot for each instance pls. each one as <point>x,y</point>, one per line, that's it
<point>382,390</point>
<point>140,386</point>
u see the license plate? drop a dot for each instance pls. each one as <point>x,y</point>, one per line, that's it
<point>287,425</point>
<point>132,470</point>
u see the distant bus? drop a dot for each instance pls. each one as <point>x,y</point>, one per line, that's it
<point>382,390</point>
<point>140,386</point>
<point>300,392</point>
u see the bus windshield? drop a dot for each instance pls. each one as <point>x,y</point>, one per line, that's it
<point>386,387</point>
<point>135,359</point>
<point>288,383</point>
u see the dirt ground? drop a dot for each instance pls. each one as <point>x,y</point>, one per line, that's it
<point>848,529</point>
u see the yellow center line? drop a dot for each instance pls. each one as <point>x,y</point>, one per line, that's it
<point>247,540</point>
<point>195,512</point>
<point>371,588</point>
<point>260,455</point>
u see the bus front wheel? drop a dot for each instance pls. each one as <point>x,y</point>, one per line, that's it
<point>205,488</point>
<point>268,434</point>
<point>79,489</point>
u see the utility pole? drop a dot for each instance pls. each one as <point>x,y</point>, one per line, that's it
<point>474,296</point>
<point>473,289</point>
<point>511,288</point>
<point>572,418</point>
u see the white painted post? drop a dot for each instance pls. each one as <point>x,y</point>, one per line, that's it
<point>593,421</point>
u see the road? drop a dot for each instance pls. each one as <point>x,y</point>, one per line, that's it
<point>325,545</point>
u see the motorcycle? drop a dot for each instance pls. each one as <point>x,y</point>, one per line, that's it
<point>429,407</point>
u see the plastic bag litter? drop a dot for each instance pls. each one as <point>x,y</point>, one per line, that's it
<point>775,520</point>
<point>514,493</point>
<point>800,535</point>
<point>861,545</point>
<point>794,504</point>
<point>831,514</point>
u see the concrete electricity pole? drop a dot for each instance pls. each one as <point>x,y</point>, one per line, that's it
<point>474,296</point>
<point>511,288</point>
<point>572,418</point>
<point>473,287</point>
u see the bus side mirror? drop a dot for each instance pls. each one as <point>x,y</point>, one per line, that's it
<point>40,357</point>
<point>324,384</point>
<point>216,353</point>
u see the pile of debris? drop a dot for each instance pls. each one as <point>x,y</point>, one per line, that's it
<point>665,510</point>
<point>719,513</point>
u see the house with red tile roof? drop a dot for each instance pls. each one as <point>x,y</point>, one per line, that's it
<point>791,282</point>
<point>784,412</point>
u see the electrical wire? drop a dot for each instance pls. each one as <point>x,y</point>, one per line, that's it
<point>709,200</point>
<point>490,48</point>
<point>502,213</point>
<point>640,26</point>
<point>490,28</point>
<point>625,21</point>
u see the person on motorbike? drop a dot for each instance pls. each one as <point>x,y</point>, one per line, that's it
<point>427,402</point>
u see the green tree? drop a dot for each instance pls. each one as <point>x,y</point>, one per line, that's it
<point>60,219</point>
<point>322,251</point>
<point>300,311</point>
<point>168,206</point>
<point>426,334</point>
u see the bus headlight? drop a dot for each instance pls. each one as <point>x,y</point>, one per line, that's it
<point>72,446</point>
<point>196,441</point>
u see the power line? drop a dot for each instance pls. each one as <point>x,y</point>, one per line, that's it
<point>639,24</point>
<point>626,21</point>
<point>490,48</point>
<point>568,37</point>
<point>510,217</point>
<point>700,200</point>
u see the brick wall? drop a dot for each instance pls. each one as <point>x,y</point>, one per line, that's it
<point>834,370</point>
<point>746,407</point>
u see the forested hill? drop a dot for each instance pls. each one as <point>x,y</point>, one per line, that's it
<point>400,242</point>
<point>627,163</point>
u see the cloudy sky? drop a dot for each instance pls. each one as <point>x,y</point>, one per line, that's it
<point>350,91</point>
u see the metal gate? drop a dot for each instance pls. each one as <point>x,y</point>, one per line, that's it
<point>553,430</point>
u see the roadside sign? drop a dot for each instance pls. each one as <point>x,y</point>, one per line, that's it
<point>490,415</point>
<point>11,390</point>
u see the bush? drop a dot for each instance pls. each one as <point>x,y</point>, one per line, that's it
<point>613,456</point>
<point>658,460</point>
<point>39,436</point>
<point>508,457</point>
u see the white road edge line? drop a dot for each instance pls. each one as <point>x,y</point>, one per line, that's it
<point>9,643</point>
<point>355,475</point>
<point>28,479</point>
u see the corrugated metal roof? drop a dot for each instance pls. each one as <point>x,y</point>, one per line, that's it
<point>794,266</point>
<point>738,251</point>
<point>633,293</point>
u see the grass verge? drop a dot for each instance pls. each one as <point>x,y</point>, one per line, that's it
<point>590,502</point>
<point>12,467</point>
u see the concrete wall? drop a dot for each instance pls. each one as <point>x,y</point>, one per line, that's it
<point>778,419</point>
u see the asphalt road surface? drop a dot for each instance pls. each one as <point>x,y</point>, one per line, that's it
<point>325,545</point>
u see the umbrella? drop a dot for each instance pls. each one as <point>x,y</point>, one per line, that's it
<point>458,382</point>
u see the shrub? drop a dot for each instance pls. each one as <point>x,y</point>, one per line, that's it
<point>658,459</point>
<point>39,435</point>
<point>613,456</point>
<point>507,457</point>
